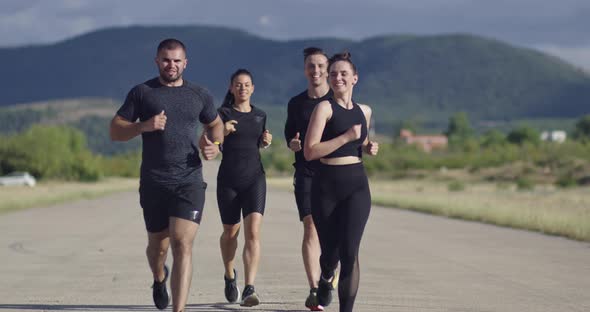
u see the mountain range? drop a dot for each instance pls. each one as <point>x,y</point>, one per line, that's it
<point>402,77</point>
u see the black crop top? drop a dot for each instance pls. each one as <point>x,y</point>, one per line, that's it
<point>342,120</point>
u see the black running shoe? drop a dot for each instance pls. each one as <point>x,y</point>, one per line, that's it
<point>325,292</point>
<point>159,292</point>
<point>249,297</point>
<point>232,293</point>
<point>312,302</point>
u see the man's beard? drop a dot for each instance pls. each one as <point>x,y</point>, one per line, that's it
<point>170,79</point>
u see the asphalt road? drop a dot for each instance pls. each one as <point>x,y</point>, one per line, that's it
<point>89,256</point>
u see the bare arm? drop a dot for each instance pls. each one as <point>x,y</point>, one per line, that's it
<point>125,130</point>
<point>211,138</point>
<point>215,129</point>
<point>369,147</point>
<point>314,148</point>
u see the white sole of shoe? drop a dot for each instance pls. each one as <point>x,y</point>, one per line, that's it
<point>250,301</point>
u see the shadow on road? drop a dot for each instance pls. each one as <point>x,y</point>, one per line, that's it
<point>204,307</point>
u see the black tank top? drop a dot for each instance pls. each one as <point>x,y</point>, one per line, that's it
<point>342,120</point>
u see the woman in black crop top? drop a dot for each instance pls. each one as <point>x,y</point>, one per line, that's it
<point>241,184</point>
<point>341,199</point>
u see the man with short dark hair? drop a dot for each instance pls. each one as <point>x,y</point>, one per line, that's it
<point>172,190</point>
<point>299,111</point>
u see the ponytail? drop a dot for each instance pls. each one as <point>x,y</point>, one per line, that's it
<point>228,101</point>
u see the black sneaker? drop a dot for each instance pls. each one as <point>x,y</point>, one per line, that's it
<point>232,293</point>
<point>324,292</point>
<point>159,293</point>
<point>249,297</point>
<point>312,302</point>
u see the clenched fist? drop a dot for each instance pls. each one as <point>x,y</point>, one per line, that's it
<point>353,133</point>
<point>229,127</point>
<point>209,149</point>
<point>158,122</point>
<point>295,143</point>
<point>266,138</point>
<point>372,148</point>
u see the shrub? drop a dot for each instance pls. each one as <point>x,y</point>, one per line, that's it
<point>456,186</point>
<point>566,180</point>
<point>524,184</point>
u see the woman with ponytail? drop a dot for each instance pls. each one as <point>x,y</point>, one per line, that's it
<point>340,198</point>
<point>241,184</point>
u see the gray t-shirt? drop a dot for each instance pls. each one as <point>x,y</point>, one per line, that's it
<point>170,156</point>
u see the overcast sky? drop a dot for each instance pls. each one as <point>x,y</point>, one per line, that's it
<point>559,27</point>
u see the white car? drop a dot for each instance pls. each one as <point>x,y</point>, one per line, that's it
<point>18,178</point>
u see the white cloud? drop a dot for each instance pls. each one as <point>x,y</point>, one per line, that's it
<point>264,20</point>
<point>81,25</point>
<point>73,4</point>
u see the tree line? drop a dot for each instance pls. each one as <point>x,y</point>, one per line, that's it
<point>62,152</point>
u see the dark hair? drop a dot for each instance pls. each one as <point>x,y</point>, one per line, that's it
<point>171,44</point>
<point>344,56</point>
<point>228,101</point>
<point>309,51</point>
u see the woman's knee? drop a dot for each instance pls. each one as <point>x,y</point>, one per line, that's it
<point>230,232</point>
<point>348,260</point>
<point>252,225</point>
<point>252,236</point>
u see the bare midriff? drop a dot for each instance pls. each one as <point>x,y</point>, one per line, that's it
<point>347,160</point>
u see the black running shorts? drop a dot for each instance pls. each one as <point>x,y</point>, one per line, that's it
<point>302,186</point>
<point>160,202</point>
<point>246,198</point>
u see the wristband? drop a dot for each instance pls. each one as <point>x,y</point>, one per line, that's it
<point>219,145</point>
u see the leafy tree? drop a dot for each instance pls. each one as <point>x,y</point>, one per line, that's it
<point>524,134</point>
<point>582,130</point>
<point>459,130</point>
<point>50,152</point>
<point>493,138</point>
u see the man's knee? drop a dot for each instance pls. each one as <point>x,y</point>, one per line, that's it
<point>157,249</point>
<point>182,246</point>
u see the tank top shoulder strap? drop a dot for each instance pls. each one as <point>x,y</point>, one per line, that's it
<point>359,110</point>
<point>332,103</point>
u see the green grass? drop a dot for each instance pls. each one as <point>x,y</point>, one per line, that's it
<point>546,209</point>
<point>54,192</point>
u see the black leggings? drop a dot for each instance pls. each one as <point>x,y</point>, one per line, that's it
<point>341,202</point>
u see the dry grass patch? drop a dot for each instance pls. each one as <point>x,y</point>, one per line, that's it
<point>564,212</point>
<point>52,192</point>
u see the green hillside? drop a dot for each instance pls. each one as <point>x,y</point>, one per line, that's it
<point>424,78</point>
<point>92,116</point>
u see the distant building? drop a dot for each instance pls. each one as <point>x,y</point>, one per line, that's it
<point>558,136</point>
<point>426,142</point>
